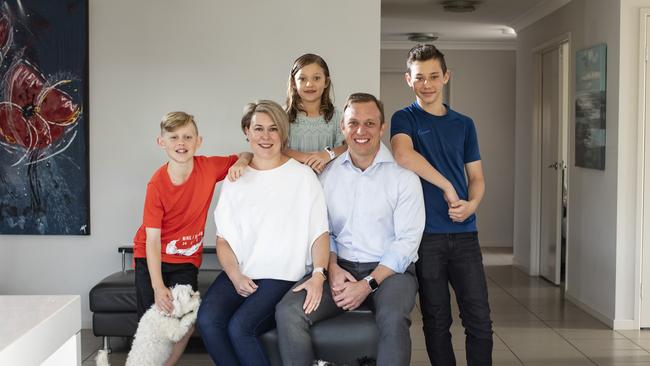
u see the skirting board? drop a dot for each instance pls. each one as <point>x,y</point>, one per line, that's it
<point>486,243</point>
<point>621,324</point>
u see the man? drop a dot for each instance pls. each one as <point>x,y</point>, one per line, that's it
<point>440,145</point>
<point>376,218</point>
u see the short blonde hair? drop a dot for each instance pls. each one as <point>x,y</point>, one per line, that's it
<point>273,110</point>
<point>174,120</point>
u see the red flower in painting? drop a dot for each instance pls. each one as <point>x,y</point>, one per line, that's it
<point>35,115</point>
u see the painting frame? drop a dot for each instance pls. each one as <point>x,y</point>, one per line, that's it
<point>590,107</point>
<point>44,118</point>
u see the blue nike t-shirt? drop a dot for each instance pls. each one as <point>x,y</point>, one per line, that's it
<point>448,142</point>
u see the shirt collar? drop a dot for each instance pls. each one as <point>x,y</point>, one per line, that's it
<point>383,156</point>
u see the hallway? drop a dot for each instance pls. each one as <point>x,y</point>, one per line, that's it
<point>533,326</point>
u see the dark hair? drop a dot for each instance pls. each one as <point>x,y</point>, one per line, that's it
<point>365,98</point>
<point>293,99</point>
<point>425,52</point>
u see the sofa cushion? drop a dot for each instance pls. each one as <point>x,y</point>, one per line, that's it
<point>116,293</point>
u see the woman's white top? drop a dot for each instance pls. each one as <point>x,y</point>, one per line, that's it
<point>271,218</point>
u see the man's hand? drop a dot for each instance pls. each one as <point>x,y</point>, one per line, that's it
<point>314,288</point>
<point>236,170</point>
<point>164,299</point>
<point>352,294</point>
<point>338,276</point>
<point>460,210</point>
<point>243,285</point>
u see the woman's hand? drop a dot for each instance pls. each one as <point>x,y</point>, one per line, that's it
<point>314,288</point>
<point>243,285</point>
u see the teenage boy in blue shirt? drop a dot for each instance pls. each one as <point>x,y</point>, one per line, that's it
<point>440,145</point>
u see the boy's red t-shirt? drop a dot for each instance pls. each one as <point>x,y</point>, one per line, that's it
<point>179,211</point>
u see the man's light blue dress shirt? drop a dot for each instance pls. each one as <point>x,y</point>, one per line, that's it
<point>375,215</point>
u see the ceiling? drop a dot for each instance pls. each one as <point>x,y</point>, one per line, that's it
<point>494,21</point>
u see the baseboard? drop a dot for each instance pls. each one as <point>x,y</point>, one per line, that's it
<point>625,324</point>
<point>591,311</point>
<point>491,244</point>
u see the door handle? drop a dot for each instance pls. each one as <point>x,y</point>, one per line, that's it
<point>554,165</point>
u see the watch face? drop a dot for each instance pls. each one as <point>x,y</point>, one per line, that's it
<point>373,283</point>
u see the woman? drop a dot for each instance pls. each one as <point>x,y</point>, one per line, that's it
<point>271,223</point>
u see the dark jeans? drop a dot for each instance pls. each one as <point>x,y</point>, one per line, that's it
<point>454,259</point>
<point>230,324</point>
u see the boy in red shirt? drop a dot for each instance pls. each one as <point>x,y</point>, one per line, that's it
<point>168,246</point>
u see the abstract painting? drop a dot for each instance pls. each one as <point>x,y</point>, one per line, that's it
<point>44,184</point>
<point>591,82</point>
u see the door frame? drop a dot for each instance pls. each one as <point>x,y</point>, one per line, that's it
<point>642,126</point>
<point>536,156</point>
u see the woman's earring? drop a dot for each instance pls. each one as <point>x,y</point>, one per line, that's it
<point>247,139</point>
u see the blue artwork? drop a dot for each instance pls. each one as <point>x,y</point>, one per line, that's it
<point>591,81</point>
<point>44,117</point>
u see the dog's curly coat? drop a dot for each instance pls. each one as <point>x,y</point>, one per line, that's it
<point>157,332</point>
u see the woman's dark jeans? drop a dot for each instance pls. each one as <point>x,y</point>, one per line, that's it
<point>454,259</point>
<point>230,324</point>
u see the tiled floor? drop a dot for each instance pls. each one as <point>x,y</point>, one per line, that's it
<point>533,325</point>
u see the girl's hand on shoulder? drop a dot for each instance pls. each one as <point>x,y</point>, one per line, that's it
<point>314,288</point>
<point>317,161</point>
<point>236,170</point>
<point>244,285</point>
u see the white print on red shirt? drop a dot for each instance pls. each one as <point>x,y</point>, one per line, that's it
<point>194,241</point>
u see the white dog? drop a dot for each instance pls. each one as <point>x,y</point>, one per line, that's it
<point>157,331</point>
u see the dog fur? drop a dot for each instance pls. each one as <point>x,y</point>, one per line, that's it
<point>157,332</point>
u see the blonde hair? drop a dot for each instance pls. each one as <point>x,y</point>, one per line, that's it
<point>175,120</point>
<point>273,110</point>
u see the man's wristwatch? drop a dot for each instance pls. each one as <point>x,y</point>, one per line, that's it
<point>321,270</point>
<point>372,283</point>
<point>331,152</point>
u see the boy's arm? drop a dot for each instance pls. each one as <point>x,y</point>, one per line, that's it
<point>243,285</point>
<point>461,210</point>
<point>237,169</point>
<point>407,157</point>
<point>162,295</point>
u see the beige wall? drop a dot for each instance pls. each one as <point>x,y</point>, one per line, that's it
<point>148,57</point>
<point>482,87</point>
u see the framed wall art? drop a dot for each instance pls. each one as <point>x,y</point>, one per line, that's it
<point>591,97</point>
<point>44,181</point>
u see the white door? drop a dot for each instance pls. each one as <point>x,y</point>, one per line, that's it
<point>645,269</point>
<point>552,166</point>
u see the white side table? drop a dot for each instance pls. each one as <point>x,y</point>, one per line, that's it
<point>40,330</point>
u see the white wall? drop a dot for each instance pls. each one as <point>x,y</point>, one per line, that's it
<point>628,251</point>
<point>482,87</point>
<point>592,243</point>
<point>148,57</point>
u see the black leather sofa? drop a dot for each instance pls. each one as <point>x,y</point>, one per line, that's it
<point>342,339</point>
